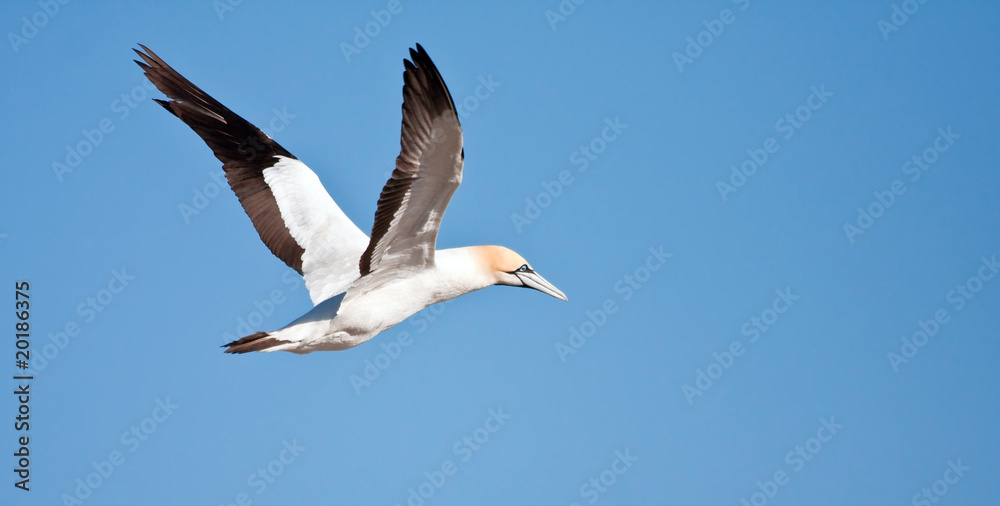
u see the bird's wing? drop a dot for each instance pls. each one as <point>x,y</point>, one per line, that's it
<point>294,215</point>
<point>428,171</point>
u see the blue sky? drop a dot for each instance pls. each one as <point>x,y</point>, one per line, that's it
<point>726,191</point>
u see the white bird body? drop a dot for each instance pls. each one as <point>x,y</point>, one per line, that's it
<point>359,286</point>
<point>344,322</point>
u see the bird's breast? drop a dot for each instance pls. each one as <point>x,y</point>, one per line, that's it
<point>387,305</point>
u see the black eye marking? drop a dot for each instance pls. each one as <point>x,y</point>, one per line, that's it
<point>524,268</point>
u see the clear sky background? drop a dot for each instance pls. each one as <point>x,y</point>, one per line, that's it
<point>640,380</point>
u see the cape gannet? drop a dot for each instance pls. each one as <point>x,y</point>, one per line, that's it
<point>359,286</point>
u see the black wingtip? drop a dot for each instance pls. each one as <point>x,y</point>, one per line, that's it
<point>419,54</point>
<point>140,53</point>
<point>420,62</point>
<point>166,105</point>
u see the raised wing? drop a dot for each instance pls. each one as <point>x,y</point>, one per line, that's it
<point>294,215</point>
<point>428,171</point>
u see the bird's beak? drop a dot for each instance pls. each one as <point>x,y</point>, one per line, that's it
<point>533,280</point>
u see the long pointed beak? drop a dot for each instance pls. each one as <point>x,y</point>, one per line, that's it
<point>533,280</point>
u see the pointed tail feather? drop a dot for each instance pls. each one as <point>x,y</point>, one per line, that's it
<point>261,341</point>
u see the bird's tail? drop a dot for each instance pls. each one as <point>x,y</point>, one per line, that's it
<point>300,336</point>
<point>261,341</point>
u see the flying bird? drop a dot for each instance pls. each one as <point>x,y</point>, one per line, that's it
<point>359,286</point>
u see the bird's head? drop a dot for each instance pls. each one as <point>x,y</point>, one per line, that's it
<point>509,268</point>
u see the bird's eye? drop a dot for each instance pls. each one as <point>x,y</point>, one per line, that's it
<point>523,268</point>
